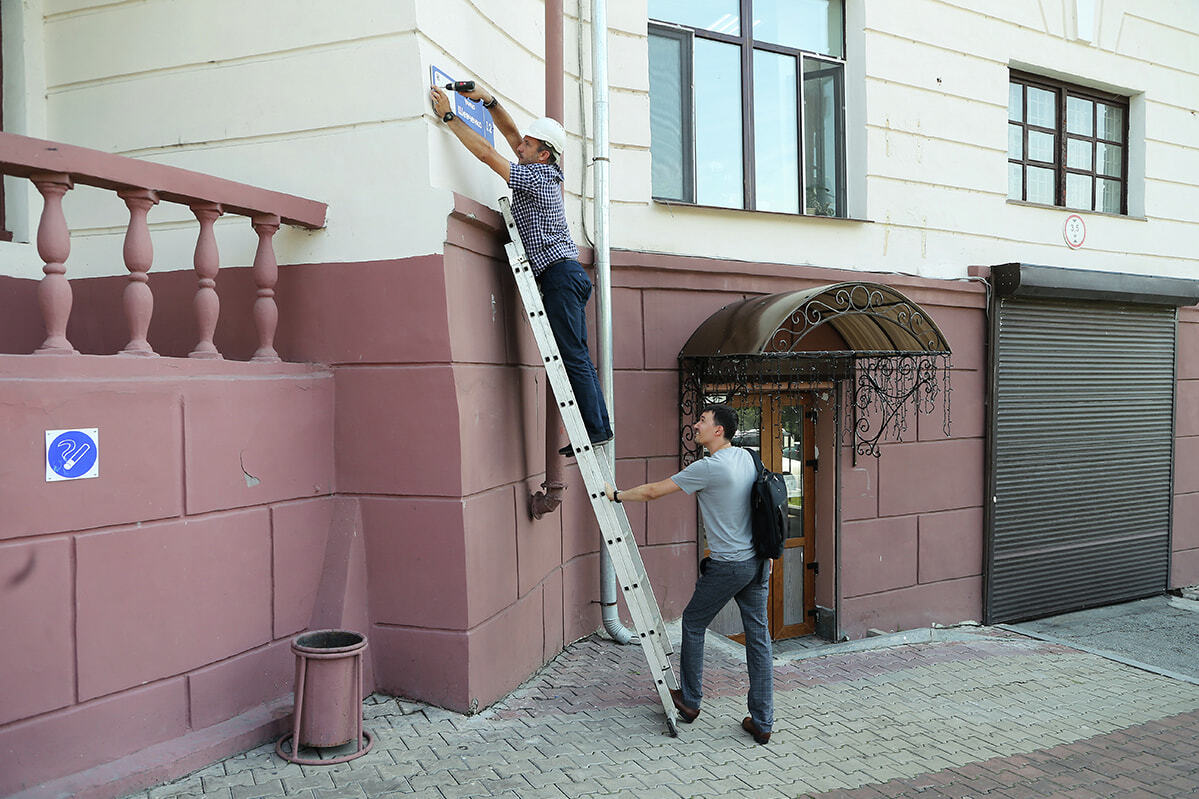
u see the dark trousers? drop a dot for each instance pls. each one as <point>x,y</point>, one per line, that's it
<point>747,582</point>
<point>565,289</point>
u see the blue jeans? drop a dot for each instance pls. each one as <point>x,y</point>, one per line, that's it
<point>565,289</point>
<point>748,582</point>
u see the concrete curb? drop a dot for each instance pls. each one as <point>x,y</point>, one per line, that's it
<point>1090,650</point>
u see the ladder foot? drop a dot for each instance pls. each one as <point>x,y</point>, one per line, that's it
<point>673,725</point>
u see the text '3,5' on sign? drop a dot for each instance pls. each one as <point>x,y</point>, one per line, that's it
<point>476,117</point>
<point>72,454</point>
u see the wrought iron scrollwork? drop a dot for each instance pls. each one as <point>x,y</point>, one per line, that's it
<point>884,389</point>
<point>885,307</point>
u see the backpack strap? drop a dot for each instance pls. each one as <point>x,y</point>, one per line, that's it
<point>753,453</point>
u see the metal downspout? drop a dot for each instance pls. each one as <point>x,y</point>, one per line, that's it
<point>603,274</point>
<point>548,500</point>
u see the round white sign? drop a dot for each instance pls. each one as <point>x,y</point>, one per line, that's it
<point>1075,231</point>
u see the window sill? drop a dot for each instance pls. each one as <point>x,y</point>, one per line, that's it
<point>681,204</point>
<point>1077,210</point>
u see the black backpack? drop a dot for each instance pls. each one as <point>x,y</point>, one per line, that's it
<point>768,510</point>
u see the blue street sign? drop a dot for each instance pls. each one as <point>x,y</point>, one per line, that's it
<point>476,117</point>
<point>72,454</point>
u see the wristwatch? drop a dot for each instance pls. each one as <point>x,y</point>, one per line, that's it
<point>616,495</point>
<point>494,102</point>
<point>447,116</point>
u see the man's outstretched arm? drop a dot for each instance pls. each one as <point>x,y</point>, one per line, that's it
<point>644,492</point>
<point>472,141</point>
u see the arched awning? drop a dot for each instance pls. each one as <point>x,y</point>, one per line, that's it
<point>885,349</point>
<point>869,317</point>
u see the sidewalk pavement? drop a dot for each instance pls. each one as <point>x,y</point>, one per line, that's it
<point>979,712</point>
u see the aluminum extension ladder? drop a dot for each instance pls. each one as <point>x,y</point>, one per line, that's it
<point>617,535</point>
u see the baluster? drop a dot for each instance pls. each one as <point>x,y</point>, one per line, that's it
<point>53,246</point>
<point>139,255</point>
<point>266,274</point>
<point>207,261</point>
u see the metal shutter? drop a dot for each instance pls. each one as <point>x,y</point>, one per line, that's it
<point>1081,452</point>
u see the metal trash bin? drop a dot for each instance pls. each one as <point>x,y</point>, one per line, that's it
<point>328,696</point>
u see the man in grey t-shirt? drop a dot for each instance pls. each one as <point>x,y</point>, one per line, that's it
<point>721,483</point>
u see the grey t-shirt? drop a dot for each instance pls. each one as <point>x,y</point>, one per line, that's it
<point>723,481</point>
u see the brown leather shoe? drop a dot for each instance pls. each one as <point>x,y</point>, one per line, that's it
<point>748,725</point>
<point>686,714</point>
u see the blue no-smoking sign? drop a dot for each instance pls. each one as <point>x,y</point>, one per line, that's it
<point>72,454</point>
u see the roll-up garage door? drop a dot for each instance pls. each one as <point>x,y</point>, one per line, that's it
<point>1082,425</point>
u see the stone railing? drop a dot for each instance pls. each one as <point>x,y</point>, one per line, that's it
<point>56,168</point>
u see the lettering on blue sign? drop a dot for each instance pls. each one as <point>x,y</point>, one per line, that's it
<point>472,114</point>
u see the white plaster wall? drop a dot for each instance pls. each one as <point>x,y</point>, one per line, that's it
<point>328,100</point>
<point>316,98</point>
<point>934,166</point>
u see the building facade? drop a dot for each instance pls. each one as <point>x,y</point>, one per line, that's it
<point>938,254</point>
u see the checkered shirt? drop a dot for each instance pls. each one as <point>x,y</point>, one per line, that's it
<point>540,215</point>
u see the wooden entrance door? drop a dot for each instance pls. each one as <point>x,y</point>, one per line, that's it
<point>783,431</point>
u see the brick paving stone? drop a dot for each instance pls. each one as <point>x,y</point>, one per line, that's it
<point>260,790</point>
<point>994,716</point>
<point>215,783</point>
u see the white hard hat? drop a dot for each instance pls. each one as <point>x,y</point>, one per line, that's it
<point>550,132</point>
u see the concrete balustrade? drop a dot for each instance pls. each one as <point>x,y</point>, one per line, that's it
<point>56,168</point>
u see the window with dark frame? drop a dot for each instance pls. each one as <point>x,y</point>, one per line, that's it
<point>1067,145</point>
<point>747,104</point>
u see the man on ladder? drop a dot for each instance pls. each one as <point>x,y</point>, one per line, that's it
<point>536,181</point>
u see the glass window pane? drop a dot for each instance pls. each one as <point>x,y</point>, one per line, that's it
<point>718,176</point>
<point>822,114</point>
<point>1015,141</point>
<point>1108,196</point>
<point>1015,102</point>
<point>723,16</point>
<point>1040,146</point>
<point>1078,154</point>
<point>1078,190</point>
<point>1110,159</point>
<point>1110,123</point>
<point>1042,107</point>
<point>1079,113</point>
<point>1015,181</point>
<point>792,444</point>
<point>776,133</point>
<point>813,25</point>
<point>1040,185</point>
<point>793,574</point>
<point>668,151</point>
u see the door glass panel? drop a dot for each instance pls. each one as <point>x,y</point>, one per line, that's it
<point>718,179</point>
<point>776,132</point>
<point>791,440</point>
<point>722,16</point>
<point>793,576</point>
